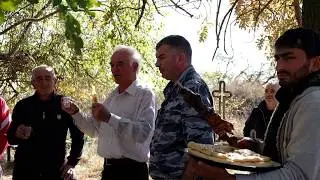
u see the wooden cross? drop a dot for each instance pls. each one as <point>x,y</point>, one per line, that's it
<point>221,94</point>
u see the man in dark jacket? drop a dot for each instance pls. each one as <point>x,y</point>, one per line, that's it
<point>39,127</point>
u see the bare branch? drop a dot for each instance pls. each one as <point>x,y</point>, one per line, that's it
<point>224,34</point>
<point>156,7</point>
<point>14,90</point>
<point>218,32</point>
<point>217,16</point>
<point>242,72</point>
<point>181,8</point>
<point>16,12</point>
<point>270,77</point>
<point>28,20</point>
<point>143,7</point>
<point>93,10</point>
<point>297,12</point>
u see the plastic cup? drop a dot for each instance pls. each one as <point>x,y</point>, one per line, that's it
<point>66,102</point>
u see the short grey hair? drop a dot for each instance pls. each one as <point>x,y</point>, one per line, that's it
<point>43,67</point>
<point>135,55</point>
<point>273,84</point>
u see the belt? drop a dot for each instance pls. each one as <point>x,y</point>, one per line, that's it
<point>119,161</point>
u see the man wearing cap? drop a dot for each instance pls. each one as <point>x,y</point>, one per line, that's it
<point>293,132</point>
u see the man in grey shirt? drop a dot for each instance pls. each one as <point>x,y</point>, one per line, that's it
<point>292,137</point>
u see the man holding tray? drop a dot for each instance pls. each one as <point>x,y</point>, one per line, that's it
<point>293,132</point>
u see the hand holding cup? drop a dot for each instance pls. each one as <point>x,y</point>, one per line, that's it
<point>23,132</point>
<point>69,106</point>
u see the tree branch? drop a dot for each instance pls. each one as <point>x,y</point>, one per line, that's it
<point>269,78</point>
<point>16,12</point>
<point>217,17</point>
<point>225,32</point>
<point>218,32</point>
<point>297,12</point>
<point>156,7</point>
<point>28,20</point>
<point>256,19</point>
<point>15,46</point>
<point>143,7</point>
<point>181,8</point>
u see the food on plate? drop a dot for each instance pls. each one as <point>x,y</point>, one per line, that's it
<point>225,153</point>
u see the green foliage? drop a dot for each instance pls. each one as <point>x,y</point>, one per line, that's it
<point>272,17</point>
<point>73,31</point>
<point>203,33</point>
<point>72,25</point>
<point>2,17</point>
<point>47,41</point>
<point>56,2</point>
<point>7,5</point>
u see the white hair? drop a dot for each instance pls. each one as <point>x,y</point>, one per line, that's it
<point>134,54</point>
<point>42,67</point>
<point>273,84</point>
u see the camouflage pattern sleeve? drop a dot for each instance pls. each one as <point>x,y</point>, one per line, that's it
<point>195,127</point>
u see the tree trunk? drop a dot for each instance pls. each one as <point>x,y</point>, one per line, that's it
<point>311,14</point>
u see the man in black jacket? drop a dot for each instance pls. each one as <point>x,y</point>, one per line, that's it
<point>39,127</point>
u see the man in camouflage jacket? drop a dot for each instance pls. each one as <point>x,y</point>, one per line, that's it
<point>177,122</point>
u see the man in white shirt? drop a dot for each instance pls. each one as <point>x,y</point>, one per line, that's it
<point>124,122</point>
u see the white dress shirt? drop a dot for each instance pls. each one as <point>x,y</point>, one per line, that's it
<point>130,128</point>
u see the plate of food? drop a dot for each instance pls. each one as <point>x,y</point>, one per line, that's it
<point>226,156</point>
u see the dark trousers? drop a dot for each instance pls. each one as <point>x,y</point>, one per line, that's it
<point>125,168</point>
<point>34,171</point>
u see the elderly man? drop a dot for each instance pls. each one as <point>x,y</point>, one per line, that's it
<point>124,122</point>
<point>292,137</point>
<point>177,122</point>
<point>39,127</point>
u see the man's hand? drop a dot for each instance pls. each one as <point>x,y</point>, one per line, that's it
<point>247,143</point>
<point>23,132</point>
<point>69,107</point>
<point>100,112</point>
<point>67,172</point>
<point>200,169</point>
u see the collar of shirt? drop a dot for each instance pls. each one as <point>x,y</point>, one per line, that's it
<point>132,89</point>
<point>171,86</point>
<point>185,72</point>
